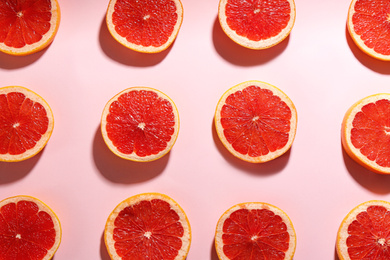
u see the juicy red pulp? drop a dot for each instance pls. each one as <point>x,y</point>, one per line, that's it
<point>22,123</point>
<point>25,231</point>
<point>148,230</point>
<point>24,22</point>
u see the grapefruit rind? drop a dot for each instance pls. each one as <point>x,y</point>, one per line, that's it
<point>133,156</point>
<point>357,38</point>
<point>346,127</point>
<point>46,40</point>
<point>109,228</point>
<point>271,155</point>
<point>255,45</point>
<point>141,48</point>
<point>44,138</point>
<point>289,254</point>
<point>342,234</point>
<point>42,207</point>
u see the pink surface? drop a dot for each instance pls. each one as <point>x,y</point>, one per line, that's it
<point>315,183</point>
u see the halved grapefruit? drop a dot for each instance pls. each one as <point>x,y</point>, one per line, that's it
<point>255,230</point>
<point>28,26</point>
<point>148,226</point>
<point>258,24</point>
<point>368,25</point>
<point>29,229</point>
<point>256,121</point>
<point>140,124</point>
<point>364,232</point>
<point>26,123</point>
<point>365,132</point>
<point>148,26</point>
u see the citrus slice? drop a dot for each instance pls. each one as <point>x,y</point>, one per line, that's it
<point>148,226</point>
<point>364,232</point>
<point>140,124</point>
<point>256,121</point>
<point>368,25</point>
<point>27,26</point>
<point>365,132</point>
<point>257,24</point>
<point>26,123</point>
<point>148,26</point>
<point>29,229</point>
<point>255,230</point>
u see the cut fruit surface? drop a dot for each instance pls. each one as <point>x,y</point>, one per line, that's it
<point>148,226</point>
<point>256,121</point>
<point>255,230</point>
<point>140,124</point>
<point>27,26</point>
<point>257,24</point>
<point>26,123</point>
<point>148,26</point>
<point>364,232</point>
<point>29,229</point>
<point>365,132</point>
<point>368,25</point>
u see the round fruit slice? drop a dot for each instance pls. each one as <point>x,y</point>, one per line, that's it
<point>257,24</point>
<point>28,229</point>
<point>140,124</point>
<point>26,123</point>
<point>368,26</point>
<point>255,230</point>
<point>364,232</point>
<point>148,226</point>
<point>27,26</point>
<point>148,26</point>
<point>365,132</point>
<point>256,121</point>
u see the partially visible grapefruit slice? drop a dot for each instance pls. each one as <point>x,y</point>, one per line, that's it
<point>26,123</point>
<point>368,25</point>
<point>28,26</point>
<point>365,132</point>
<point>258,24</point>
<point>148,26</point>
<point>364,232</point>
<point>29,229</point>
<point>255,230</point>
<point>140,124</point>
<point>256,121</point>
<point>148,226</point>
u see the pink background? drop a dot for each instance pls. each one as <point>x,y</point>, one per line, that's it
<point>315,183</point>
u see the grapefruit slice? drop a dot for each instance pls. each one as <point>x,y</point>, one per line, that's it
<point>26,123</point>
<point>148,226</point>
<point>140,124</point>
<point>258,24</point>
<point>255,230</point>
<point>148,26</point>
<point>256,121</point>
<point>364,232</point>
<point>29,229</point>
<point>368,25</point>
<point>27,26</point>
<point>365,132</point>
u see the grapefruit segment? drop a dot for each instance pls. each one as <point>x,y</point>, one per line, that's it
<point>148,26</point>
<point>256,121</point>
<point>255,230</point>
<point>140,124</point>
<point>27,26</point>
<point>148,226</point>
<point>257,24</point>
<point>26,123</point>
<point>365,132</point>
<point>28,229</point>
